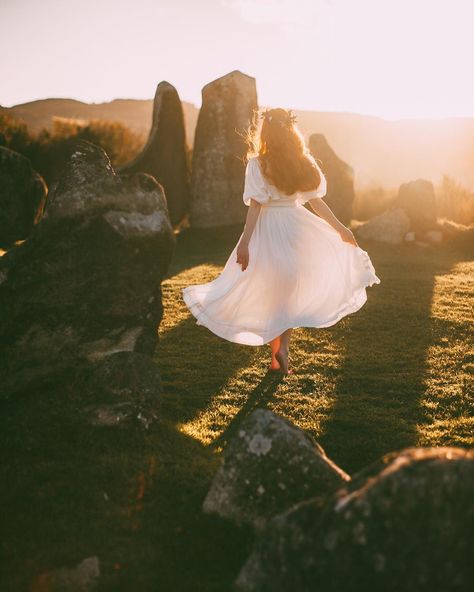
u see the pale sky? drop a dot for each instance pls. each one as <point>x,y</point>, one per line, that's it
<point>390,58</point>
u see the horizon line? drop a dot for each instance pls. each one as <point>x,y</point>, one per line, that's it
<point>304,109</point>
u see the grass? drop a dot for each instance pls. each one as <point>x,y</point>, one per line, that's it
<point>395,374</point>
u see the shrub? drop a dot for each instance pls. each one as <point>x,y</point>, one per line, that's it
<point>47,150</point>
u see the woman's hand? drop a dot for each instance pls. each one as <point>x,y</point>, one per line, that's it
<point>347,236</point>
<point>243,254</point>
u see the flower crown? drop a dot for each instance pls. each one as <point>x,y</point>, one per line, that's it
<point>286,122</point>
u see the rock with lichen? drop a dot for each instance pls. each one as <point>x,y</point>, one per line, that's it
<point>218,167</point>
<point>404,523</point>
<point>87,283</point>
<point>268,465</point>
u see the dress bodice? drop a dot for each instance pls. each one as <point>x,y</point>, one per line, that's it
<point>259,188</point>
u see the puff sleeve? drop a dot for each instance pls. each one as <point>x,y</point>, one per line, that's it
<point>319,192</point>
<point>254,186</point>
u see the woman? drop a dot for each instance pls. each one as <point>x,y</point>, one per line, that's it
<point>289,268</point>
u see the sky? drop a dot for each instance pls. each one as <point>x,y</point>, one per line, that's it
<point>389,58</point>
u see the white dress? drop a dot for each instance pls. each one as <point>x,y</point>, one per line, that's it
<point>300,272</point>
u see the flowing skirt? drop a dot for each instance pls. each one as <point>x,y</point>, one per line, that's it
<point>300,274</point>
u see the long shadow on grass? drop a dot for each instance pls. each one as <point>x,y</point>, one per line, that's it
<point>194,365</point>
<point>130,497</point>
<point>259,398</point>
<point>382,377</point>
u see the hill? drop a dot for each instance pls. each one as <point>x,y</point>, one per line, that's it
<point>382,152</point>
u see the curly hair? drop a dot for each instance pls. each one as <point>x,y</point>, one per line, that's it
<point>285,160</point>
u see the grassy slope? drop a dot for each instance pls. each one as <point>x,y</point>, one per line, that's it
<point>393,375</point>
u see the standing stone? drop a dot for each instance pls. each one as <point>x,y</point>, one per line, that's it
<point>417,198</point>
<point>217,178</point>
<point>22,197</point>
<point>165,153</point>
<point>339,175</point>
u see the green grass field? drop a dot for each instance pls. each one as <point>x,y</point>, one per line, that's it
<point>394,374</point>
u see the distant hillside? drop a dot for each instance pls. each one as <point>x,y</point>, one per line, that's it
<point>382,152</point>
<point>136,114</point>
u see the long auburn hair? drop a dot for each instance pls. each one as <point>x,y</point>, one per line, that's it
<point>285,160</point>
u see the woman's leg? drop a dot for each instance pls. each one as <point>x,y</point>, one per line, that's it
<point>275,346</point>
<point>282,353</point>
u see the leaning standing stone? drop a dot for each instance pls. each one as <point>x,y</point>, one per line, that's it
<point>165,153</point>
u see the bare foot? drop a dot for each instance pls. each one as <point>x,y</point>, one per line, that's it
<point>282,358</point>
<point>274,364</point>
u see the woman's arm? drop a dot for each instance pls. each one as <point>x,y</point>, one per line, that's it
<point>243,246</point>
<point>323,210</point>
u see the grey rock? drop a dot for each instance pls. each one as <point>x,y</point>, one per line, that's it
<point>126,387</point>
<point>165,153</point>
<point>433,236</point>
<point>109,414</point>
<point>23,195</point>
<point>123,375</point>
<point>87,283</point>
<point>218,168</point>
<point>267,466</point>
<point>84,577</point>
<point>390,227</point>
<point>403,523</point>
<point>418,200</point>
<point>89,187</point>
<point>459,235</point>
<point>340,178</point>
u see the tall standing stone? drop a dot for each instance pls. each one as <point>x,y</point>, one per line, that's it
<point>339,175</point>
<point>165,153</point>
<point>218,169</point>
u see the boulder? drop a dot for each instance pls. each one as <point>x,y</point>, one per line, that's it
<point>433,236</point>
<point>218,167</point>
<point>390,227</point>
<point>267,466</point>
<point>417,199</point>
<point>404,523</point>
<point>83,577</point>
<point>340,178</point>
<point>127,387</point>
<point>23,195</point>
<point>458,235</point>
<point>87,283</point>
<point>165,153</point>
